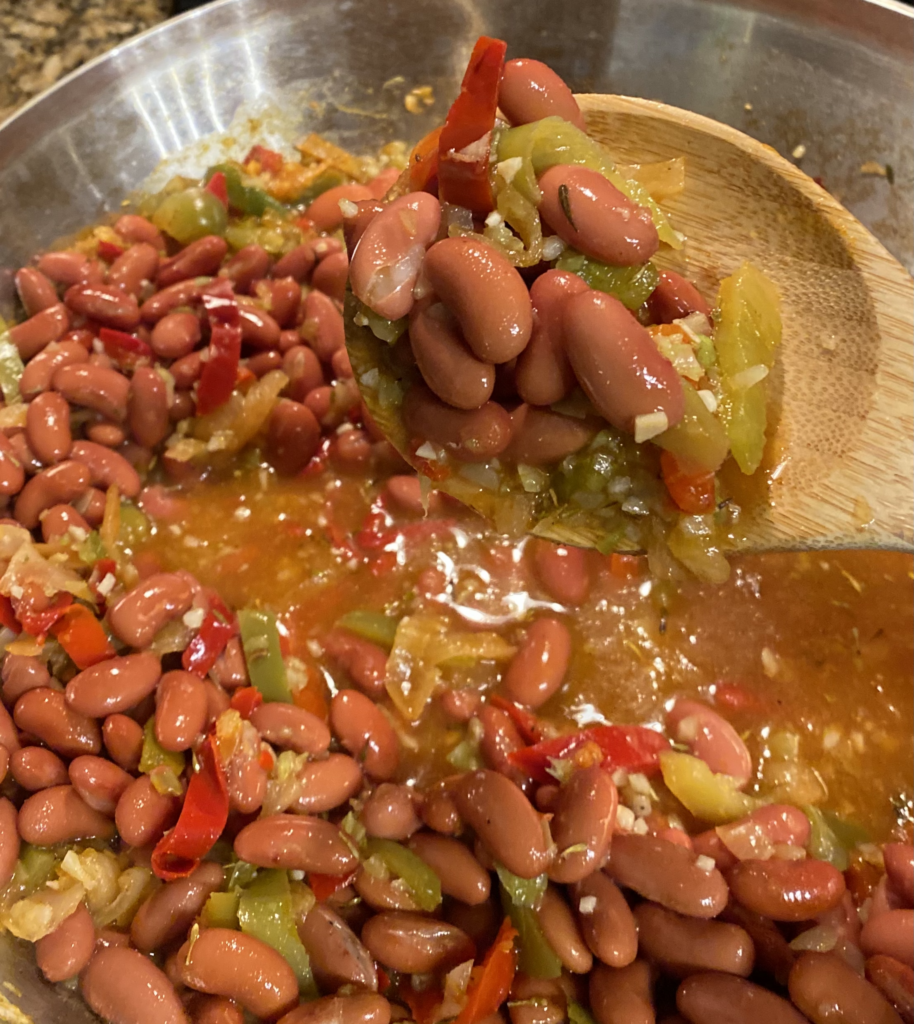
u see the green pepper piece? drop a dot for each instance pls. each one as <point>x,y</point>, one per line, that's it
<point>134,528</point>
<point>524,892</point>
<point>154,755</point>
<point>630,285</point>
<point>423,884</point>
<point>832,838</point>
<point>240,874</point>
<point>91,549</point>
<point>247,199</point>
<point>536,957</point>
<point>260,641</point>
<point>578,1015</point>
<point>35,867</point>
<point>221,910</point>
<point>377,627</point>
<point>382,328</point>
<point>265,911</point>
<point>11,368</point>
<point>191,214</point>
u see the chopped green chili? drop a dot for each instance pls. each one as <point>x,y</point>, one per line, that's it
<point>423,884</point>
<point>374,626</point>
<point>260,640</point>
<point>154,755</point>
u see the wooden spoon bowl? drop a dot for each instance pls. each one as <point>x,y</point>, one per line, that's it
<point>839,466</point>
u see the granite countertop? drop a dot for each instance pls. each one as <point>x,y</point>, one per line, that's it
<point>43,40</point>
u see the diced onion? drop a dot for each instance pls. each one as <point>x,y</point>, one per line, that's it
<point>650,424</point>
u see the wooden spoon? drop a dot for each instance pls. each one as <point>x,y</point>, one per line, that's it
<point>839,465</point>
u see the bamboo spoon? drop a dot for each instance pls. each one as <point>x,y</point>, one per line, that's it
<point>839,465</point>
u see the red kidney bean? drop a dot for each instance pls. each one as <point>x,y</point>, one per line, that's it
<point>168,913</point>
<point>538,669</point>
<point>134,228</point>
<point>247,785</point>
<point>57,521</point>
<point>22,672</point>
<point>113,685</point>
<point>365,732</point>
<point>248,265</point>
<point>64,952</point>
<point>354,226</point>
<point>382,183</point>
<point>542,437</point>
<point>297,263</point>
<point>125,987</point>
<point>108,306</point>
<point>44,713</point>
<point>35,290</point>
<point>264,362</point>
<point>175,335</point>
<point>181,710</point>
<point>786,890</point>
<point>781,823</point>
<point>204,1009</point>
<point>606,921</point>
<point>106,467</point>
<point>303,369</point>
<point>561,929</point>
<point>198,259</point>
<point>505,821</point>
<point>563,571</point>
<point>439,811</point>
<point>383,893</point>
<point>322,326</point>
<point>681,946</point>
<point>500,739</point>
<point>186,371</point>
<point>59,815</point>
<point>341,365</point>
<point>890,934</point>
<point>895,981</point>
<point>143,814</point>
<point>147,407</point>
<point>36,377</point>
<point>389,812</point>
<point>9,841</point>
<point>468,435</point>
<point>40,330</point>
<point>675,298</point>
<point>295,842</point>
<point>167,300</point>
<point>12,470</point>
<point>99,782</point>
<point>622,995</point>
<point>461,874</point>
<point>539,1000</point>
<point>485,293</point>
<point>142,612</point>
<point>415,944</point>
<point>92,506</point>
<point>617,363</point>
<point>666,873</point>
<point>258,328</point>
<point>328,784</point>
<point>725,999</point>
<point>337,956</point>
<point>36,768</point>
<point>291,728</point>
<point>325,210</point>
<point>65,267</point>
<point>94,387</point>
<point>354,1008</point>
<point>448,367</point>
<point>134,268</point>
<point>584,816</point>
<point>530,91</point>
<point>217,701</point>
<point>230,670</point>
<point>8,735</point>
<point>20,452</point>
<point>330,275</point>
<point>293,436</point>
<point>363,660</point>
<point>899,866</point>
<point>351,449</point>
<point>711,737</point>
<point>827,989</point>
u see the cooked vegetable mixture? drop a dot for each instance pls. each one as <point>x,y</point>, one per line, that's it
<point>287,734</point>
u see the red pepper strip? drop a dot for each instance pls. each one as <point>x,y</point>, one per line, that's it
<point>201,822</point>
<point>37,623</point>
<point>423,162</point>
<point>219,626</point>
<point>268,159</point>
<point>246,700</point>
<point>108,251</point>
<point>491,982</point>
<point>7,615</point>
<point>125,349</point>
<point>528,725</point>
<point>218,187</point>
<point>220,371</point>
<point>423,1003</point>
<point>632,747</point>
<point>692,492</point>
<point>324,886</point>
<point>81,635</point>
<point>464,180</point>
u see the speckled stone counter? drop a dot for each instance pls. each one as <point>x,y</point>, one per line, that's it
<point>43,40</point>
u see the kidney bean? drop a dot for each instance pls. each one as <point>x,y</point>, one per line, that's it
<point>786,890</point>
<point>125,987</point>
<point>541,437</point>
<point>303,369</point>
<point>94,387</point>
<point>19,673</point>
<point>381,894</point>
<point>530,91</point>
<point>711,998</point>
<point>113,685</point>
<point>167,300</point>
<point>91,505</point>
<point>297,842</point>
<point>711,737</point>
<point>365,732</point>
<point>142,612</point>
<point>293,436</point>
<point>65,267</point>
<point>337,955</point>
<point>561,929</point>
<point>354,226</point>
<point>108,938</point>
<point>230,670</point>
<point>415,944</point>
<point>351,449</point>
<point>168,913</point>
<point>681,946</point>
<point>607,926</point>
<point>538,669</point>
<point>134,228</point>
<point>123,739</point>
<point>328,784</point>
<point>64,952</point>
<point>204,1009</point>
<point>181,710</point>
<point>198,259</point>
<point>448,367</point>
<point>110,307</point>
<point>241,967</point>
<point>895,981</point>
<point>217,701</point>
<point>781,823</point>
<point>330,275</point>
<point>98,781</point>
<point>325,210</point>
<point>899,866</point>
<point>675,298</point>
<point>246,266</point>
<point>143,814</point>
<point>297,263</point>
<point>44,713</point>
<point>468,435</point>
<point>538,1000</point>
<point>264,362</point>
<point>500,739</point>
<point>58,815</point>
<point>322,326</point>
<point>439,810</point>
<point>827,989</point>
<point>247,785</point>
<point>341,365</point>
<point>36,377</point>
<point>461,874</point>
<point>21,455</point>
<point>622,995</point>
<point>891,934</point>
<point>107,468</point>
<point>562,571</point>
<point>36,291</point>
<point>258,328</point>
<point>505,821</point>
<point>36,768</point>
<point>147,407</point>
<point>134,268</point>
<point>282,298</point>
<point>186,372</point>
<point>8,735</point>
<point>9,841</point>
<point>12,470</point>
<point>291,728</point>
<point>584,816</point>
<point>354,1008</point>
<point>35,334</point>
<point>666,873</point>
<point>57,521</point>
<point>364,661</point>
<point>175,335</point>
<point>485,293</point>
<point>389,812</point>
